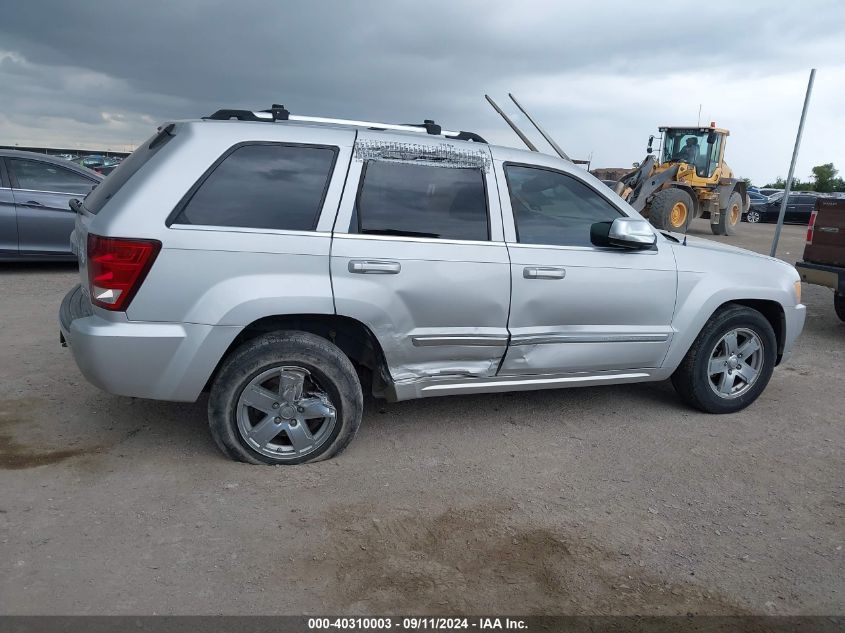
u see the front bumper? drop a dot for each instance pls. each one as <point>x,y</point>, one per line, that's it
<point>794,317</point>
<point>162,361</point>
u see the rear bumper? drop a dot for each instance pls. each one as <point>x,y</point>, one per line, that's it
<point>822,275</point>
<point>162,361</point>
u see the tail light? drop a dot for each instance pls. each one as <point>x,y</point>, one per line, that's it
<point>811,226</point>
<point>117,268</point>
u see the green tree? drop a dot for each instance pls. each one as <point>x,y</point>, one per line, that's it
<point>824,177</point>
<point>779,183</point>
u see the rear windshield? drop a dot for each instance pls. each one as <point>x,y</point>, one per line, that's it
<point>103,192</point>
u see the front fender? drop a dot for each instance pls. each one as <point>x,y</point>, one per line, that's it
<point>700,295</point>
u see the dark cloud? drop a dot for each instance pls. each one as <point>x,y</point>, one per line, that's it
<point>155,60</point>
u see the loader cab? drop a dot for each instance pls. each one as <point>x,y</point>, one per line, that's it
<point>700,147</point>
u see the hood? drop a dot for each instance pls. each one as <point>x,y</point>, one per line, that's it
<point>703,254</point>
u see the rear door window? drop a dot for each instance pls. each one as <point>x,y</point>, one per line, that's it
<point>39,176</point>
<point>262,186</point>
<point>422,201</point>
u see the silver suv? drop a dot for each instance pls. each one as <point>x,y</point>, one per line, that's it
<point>281,262</point>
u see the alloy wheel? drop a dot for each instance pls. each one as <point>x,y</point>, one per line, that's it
<point>735,363</point>
<point>283,413</point>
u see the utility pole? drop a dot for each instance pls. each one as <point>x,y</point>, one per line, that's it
<point>792,164</point>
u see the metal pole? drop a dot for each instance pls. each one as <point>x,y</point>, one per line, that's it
<point>507,119</point>
<point>542,132</point>
<point>792,164</point>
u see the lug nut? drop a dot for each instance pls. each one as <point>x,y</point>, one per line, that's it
<point>277,420</point>
<point>275,405</point>
<point>300,409</point>
<point>293,423</point>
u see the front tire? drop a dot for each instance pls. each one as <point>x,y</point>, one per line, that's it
<point>285,398</point>
<point>729,217</point>
<point>839,305</point>
<point>730,363</point>
<point>753,216</point>
<point>671,210</point>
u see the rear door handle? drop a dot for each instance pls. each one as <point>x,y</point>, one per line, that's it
<point>374,267</point>
<point>33,203</point>
<point>543,272</point>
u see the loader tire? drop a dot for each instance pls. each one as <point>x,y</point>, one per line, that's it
<point>671,210</point>
<point>729,217</point>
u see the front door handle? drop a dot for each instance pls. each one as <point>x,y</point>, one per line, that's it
<point>374,267</point>
<point>33,203</point>
<point>543,272</point>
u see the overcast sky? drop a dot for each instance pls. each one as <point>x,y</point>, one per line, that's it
<point>599,76</point>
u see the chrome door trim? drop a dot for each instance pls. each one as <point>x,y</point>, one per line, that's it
<point>404,238</point>
<point>595,249</point>
<point>61,193</point>
<point>452,385</point>
<point>247,229</point>
<point>479,339</point>
<point>530,382</point>
<point>542,339</point>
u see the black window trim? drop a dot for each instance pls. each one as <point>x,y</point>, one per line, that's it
<point>357,212</point>
<point>12,177</point>
<point>507,164</point>
<point>183,202</point>
<point>5,183</point>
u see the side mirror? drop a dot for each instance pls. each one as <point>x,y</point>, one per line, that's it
<point>630,233</point>
<point>711,138</point>
<point>648,149</point>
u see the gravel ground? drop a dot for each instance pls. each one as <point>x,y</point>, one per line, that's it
<point>603,500</point>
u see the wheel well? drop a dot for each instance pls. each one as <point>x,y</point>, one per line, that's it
<point>353,338</point>
<point>773,312</point>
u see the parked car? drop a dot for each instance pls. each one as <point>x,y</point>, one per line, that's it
<point>101,164</point>
<point>284,264</point>
<point>757,197</point>
<point>770,192</point>
<point>35,220</point>
<point>799,206</point>
<point>824,253</point>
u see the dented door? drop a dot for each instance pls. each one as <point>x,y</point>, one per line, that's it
<point>414,264</point>
<point>576,308</point>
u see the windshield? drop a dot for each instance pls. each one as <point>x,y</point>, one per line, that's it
<point>690,146</point>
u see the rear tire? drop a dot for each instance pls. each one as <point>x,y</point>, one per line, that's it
<point>839,305</point>
<point>285,398</point>
<point>752,217</point>
<point>671,210</point>
<point>729,216</point>
<point>740,374</point>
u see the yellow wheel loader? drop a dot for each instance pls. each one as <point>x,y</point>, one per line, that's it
<point>688,179</point>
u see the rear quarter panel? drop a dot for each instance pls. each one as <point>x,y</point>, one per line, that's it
<point>224,275</point>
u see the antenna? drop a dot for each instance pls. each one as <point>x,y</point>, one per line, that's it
<point>542,132</point>
<point>519,133</point>
<point>699,116</point>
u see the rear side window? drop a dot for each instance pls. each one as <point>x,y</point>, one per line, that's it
<point>422,201</point>
<point>263,186</point>
<point>39,176</point>
<point>104,192</point>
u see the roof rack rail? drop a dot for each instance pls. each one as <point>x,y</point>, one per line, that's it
<point>279,113</point>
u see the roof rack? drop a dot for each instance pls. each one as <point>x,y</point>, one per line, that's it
<point>279,113</point>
